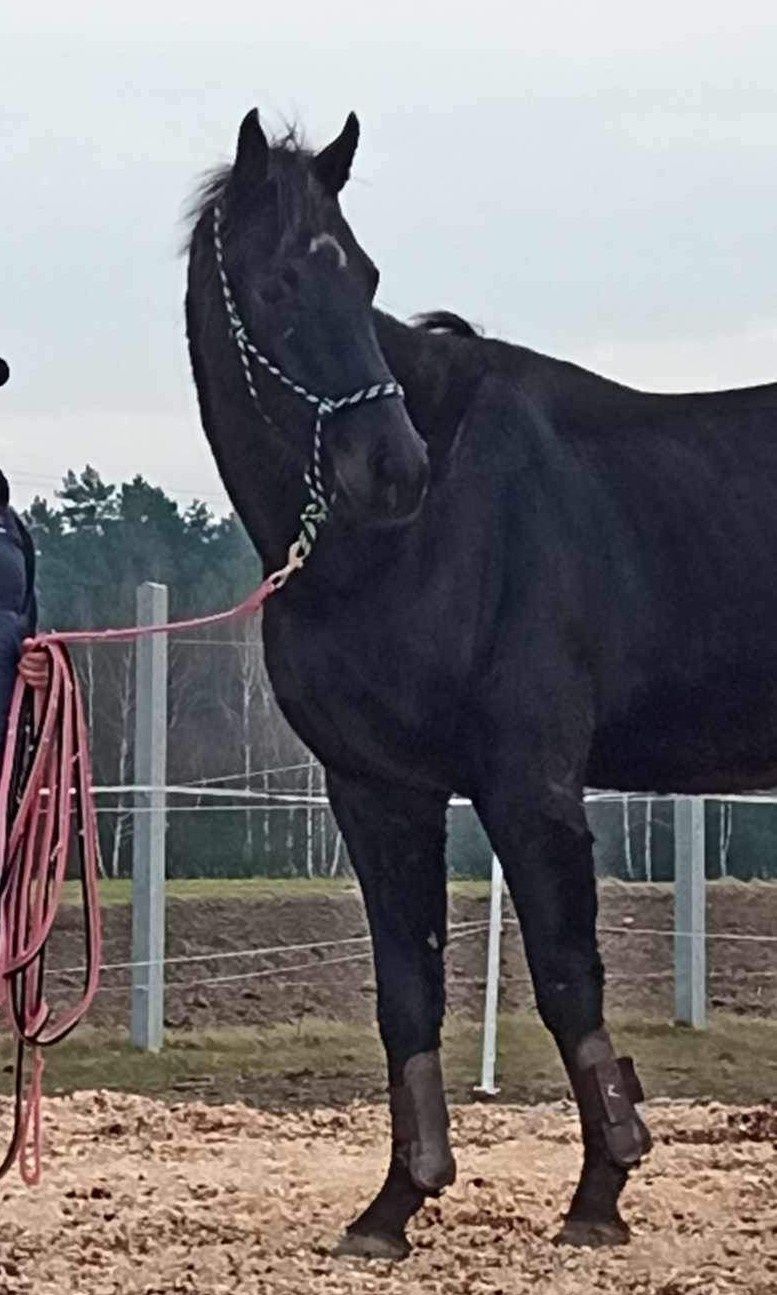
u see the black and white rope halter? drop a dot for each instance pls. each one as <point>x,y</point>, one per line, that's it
<point>317,509</point>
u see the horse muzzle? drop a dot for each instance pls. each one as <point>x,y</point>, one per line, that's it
<point>381,476</point>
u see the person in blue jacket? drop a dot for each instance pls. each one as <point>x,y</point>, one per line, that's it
<point>18,611</point>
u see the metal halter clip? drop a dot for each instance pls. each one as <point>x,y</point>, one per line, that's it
<point>295,561</point>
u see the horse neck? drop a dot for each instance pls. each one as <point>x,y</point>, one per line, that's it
<point>262,478</point>
<point>267,493</point>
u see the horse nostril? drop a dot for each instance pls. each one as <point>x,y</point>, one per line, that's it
<point>392,497</point>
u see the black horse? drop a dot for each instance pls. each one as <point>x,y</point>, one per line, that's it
<point>533,579</point>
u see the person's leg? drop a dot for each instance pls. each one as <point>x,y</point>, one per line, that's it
<point>11,636</point>
<point>13,589</point>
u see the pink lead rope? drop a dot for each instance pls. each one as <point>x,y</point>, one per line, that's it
<point>46,804</point>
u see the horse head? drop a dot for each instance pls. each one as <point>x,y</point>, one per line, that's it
<point>303,289</point>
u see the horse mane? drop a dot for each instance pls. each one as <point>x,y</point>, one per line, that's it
<point>445,321</point>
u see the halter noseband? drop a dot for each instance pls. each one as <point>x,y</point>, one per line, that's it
<point>317,509</point>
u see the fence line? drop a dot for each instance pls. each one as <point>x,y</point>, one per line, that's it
<point>473,924</point>
<point>472,927</point>
<point>294,795</point>
<point>291,796</point>
<point>180,986</point>
<point>266,972</point>
<point>220,793</point>
<point>665,930</point>
<point>242,776</point>
<point>459,928</point>
<point>210,809</point>
<point>714,797</point>
<point>150,794</point>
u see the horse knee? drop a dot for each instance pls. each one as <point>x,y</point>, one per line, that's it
<point>569,996</point>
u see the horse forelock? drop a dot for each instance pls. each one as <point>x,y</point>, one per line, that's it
<point>300,203</point>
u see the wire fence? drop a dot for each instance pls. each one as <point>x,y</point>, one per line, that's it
<point>463,928</point>
<point>294,787</point>
<point>354,950</point>
<point>456,931</point>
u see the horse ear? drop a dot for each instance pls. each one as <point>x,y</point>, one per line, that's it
<point>250,164</point>
<point>333,164</point>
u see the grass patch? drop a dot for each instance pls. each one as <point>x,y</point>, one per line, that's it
<point>735,1060</point>
<point>326,1062</point>
<point>117,891</point>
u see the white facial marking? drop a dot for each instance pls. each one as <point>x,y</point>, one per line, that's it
<point>328,240</point>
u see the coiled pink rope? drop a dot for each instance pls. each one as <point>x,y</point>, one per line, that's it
<point>47,809</point>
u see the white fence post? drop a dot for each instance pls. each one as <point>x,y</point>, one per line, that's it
<point>487,1084</point>
<point>148,843</point>
<point>689,915</point>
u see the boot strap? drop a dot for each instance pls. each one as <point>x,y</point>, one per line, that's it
<point>614,1088</point>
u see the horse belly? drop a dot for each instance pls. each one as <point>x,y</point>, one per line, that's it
<point>719,736</point>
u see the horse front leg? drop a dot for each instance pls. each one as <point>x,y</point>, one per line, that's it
<point>548,864</point>
<point>396,841</point>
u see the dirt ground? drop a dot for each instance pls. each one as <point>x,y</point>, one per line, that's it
<point>139,1198</point>
<point>742,974</point>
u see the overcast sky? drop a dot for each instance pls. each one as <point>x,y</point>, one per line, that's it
<point>589,180</point>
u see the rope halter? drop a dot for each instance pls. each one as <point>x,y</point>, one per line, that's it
<point>317,509</point>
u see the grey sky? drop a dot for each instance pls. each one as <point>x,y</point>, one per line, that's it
<point>590,181</point>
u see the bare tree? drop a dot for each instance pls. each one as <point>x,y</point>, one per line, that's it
<point>89,663</point>
<point>125,718</point>
<point>336,854</point>
<point>627,838</point>
<point>323,821</point>
<point>725,817</point>
<point>249,670</point>
<point>648,840</point>
<point>309,818</point>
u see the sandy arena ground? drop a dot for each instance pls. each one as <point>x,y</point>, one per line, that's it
<point>145,1199</point>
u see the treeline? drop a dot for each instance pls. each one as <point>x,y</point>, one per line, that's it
<point>96,542</point>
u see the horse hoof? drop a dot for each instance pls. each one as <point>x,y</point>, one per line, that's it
<point>372,1245</point>
<point>581,1232</point>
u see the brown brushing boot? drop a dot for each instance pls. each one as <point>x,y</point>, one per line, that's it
<point>615,1140</point>
<point>421,1163</point>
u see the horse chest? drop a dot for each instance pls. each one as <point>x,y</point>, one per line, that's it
<point>380,692</point>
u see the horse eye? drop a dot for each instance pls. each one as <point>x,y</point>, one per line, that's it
<point>272,292</point>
